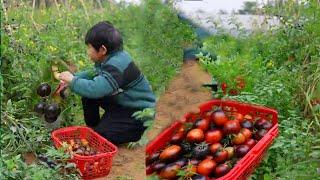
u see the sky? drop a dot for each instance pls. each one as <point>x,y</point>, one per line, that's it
<point>207,5</point>
<point>212,5</point>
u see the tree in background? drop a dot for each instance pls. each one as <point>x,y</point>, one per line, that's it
<point>249,7</point>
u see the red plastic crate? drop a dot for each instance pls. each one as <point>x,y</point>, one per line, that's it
<point>101,162</point>
<point>250,161</point>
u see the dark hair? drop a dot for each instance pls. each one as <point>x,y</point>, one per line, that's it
<point>104,33</point>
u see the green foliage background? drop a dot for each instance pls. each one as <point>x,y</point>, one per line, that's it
<point>281,68</point>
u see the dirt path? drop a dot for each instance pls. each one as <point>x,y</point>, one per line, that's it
<point>184,94</point>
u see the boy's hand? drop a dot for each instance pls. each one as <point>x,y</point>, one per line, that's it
<point>66,76</point>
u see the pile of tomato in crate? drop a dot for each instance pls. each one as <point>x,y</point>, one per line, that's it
<point>81,147</point>
<point>208,146</point>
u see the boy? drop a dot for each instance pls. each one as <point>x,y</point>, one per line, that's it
<point>117,86</point>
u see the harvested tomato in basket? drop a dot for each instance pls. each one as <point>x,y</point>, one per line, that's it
<point>81,147</point>
<point>218,144</point>
<point>91,152</point>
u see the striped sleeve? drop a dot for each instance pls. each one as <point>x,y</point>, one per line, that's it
<point>95,89</point>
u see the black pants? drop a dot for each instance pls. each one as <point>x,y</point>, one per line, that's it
<point>116,125</point>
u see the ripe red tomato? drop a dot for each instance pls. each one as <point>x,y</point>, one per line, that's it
<point>220,156</point>
<point>221,170</point>
<point>170,153</point>
<point>182,129</point>
<point>231,127</point>
<point>224,86</point>
<point>202,124</point>
<point>219,117</point>
<point>246,132</point>
<point>206,167</point>
<point>239,117</point>
<point>213,136</point>
<point>195,135</point>
<point>250,143</point>
<point>238,139</point>
<point>215,147</point>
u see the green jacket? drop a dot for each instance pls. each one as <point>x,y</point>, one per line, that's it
<point>116,76</point>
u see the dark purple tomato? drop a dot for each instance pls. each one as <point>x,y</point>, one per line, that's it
<point>44,90</point>
<point>267,125</point>
<point>177,138</point>
<point>221,170</point>
<point>250,143</point>
<point>52,110</point>
<point>39,108</point>
<point>50,119</point>
<point>259,123</point>
<point>247,124</point>
<point>158,166</point>
<point>259,134</point>
<point>242,150</point>
<point>152,158</point>
<point>186,147</point>
<point>198,177</point>
<point>201,150</point>
<point>181,162</point>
